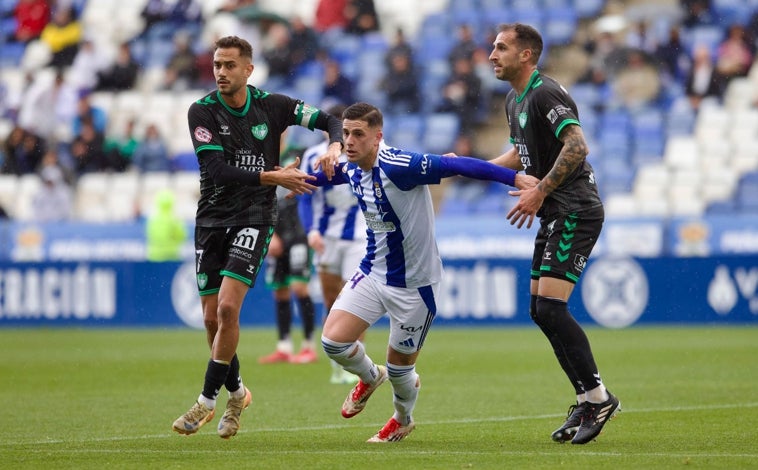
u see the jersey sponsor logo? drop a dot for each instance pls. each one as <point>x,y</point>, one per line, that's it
<point>522,119</point>
<point>411,328</point>
<point>202,134</point>
<point>552,116</point>
<point>246,238</point>
<point>580,262</point>
<point>424,164</point>
<point>260,131</point>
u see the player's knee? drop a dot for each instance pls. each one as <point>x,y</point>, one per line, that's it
<point>549,312</point>
<point>339,351</point>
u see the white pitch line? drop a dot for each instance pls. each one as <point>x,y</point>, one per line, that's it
<point>373,425</point>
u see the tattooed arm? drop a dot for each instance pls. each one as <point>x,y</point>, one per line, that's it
<point>572,155</point>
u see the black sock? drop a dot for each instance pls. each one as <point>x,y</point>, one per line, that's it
<point>283,318</point>
<point>570,343</point>
<point>215,377</point>
<point>233,378</point>
<point>308,314</point>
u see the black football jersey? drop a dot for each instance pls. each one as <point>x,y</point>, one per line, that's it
<point>536,119</point>
<point>250,140</point>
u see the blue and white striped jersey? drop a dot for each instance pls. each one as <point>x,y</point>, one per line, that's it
<point>332,210</point>
<point>402,250</point>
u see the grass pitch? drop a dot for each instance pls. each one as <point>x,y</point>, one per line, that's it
<point>489,399</point>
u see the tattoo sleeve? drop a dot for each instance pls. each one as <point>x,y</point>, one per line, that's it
<point>571,156</point>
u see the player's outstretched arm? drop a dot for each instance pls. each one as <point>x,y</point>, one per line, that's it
<point>290,177</point>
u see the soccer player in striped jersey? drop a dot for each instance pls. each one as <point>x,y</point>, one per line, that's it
<point>336,233</point>
<point>401,268</point>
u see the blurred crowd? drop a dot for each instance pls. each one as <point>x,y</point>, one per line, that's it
<point>58,132</point>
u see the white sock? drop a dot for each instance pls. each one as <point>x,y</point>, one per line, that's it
<point>597,394</point>
<point>209,403</point>
<point>284,346</point>
<point>307,344</point>
<point>581,398</point>
<point>239,393</point>
<point>405,386</point>
<point>352,357</point>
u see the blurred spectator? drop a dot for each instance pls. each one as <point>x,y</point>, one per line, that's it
<point>31,18</point>
<point>88,150</point>
<point>180,71</point>
<point>697,13</point>
<point>122,74</point>
<point>640,37</point>
<point>672,56</point>
<point>23,152</point>
<point>638,83</point>
<point>464,47</point>
<point>175,14</point>
<point>401,85</point>
<point>48,107</point>
<point>88,63</point>
<point>733,57</point>
<point>165,233</point>
<point>606,56</point>
<point>703,79</point>
<point>399,45</point>
<point>86,111</point>
<point>336,85</point>
<point>151,153</point>
<point>278,54</point>
<point>461,94</point>
<point>204,68</point>
<point>53,202</point>
<point>155,11</point>
<point>330,14</point>
<point>62,35</point>
<point>361,17</point>
<point>119,148</point>
<point>306,39</point>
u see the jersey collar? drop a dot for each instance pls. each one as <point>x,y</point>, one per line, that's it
<point>231,110</point>
<point>534,81</point>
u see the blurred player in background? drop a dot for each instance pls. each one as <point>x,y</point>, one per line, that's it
<point>236,131</point>
<point>287,274</point>
<point>336,233</point>
<point>548,143</point>
<point>401,269</point>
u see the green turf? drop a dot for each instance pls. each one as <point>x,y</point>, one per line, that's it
<point>489,399</point>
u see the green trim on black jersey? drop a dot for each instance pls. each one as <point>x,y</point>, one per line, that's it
<point>232,111</point>
<point>236,276</point>
<point>564,124</point>
<point>534,81</point>
<point>208,147</point>
<point>209,291</point>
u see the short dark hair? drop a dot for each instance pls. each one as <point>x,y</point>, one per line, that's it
<point>228,42</point>
<point>370,114</point>
<point>527,37</point>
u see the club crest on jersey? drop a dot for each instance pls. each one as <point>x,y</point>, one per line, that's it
<point>202,134</point>
<point>377,191</point>
<point>260,131</point>
<point>202,280</point>
<point>522,120</point>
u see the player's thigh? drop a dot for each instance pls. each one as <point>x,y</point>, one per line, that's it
<point>411,313</point>
<point>360,297</point>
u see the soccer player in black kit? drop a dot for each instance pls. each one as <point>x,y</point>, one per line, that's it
<point>548,143</point>
<point>236,132</point>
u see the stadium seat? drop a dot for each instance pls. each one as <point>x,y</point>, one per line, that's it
<point>8,193</point>
<point>122,196</point>
<point>92,187</point>
<point>440,132</point>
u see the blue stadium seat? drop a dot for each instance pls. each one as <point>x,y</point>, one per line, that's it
<point>11,54</point>
<point>588,8</point>
<point>559,25</point>
<point>440,132</point>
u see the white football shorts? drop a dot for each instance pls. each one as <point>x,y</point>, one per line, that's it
<point>340,257</point>
<point>410,311</point>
